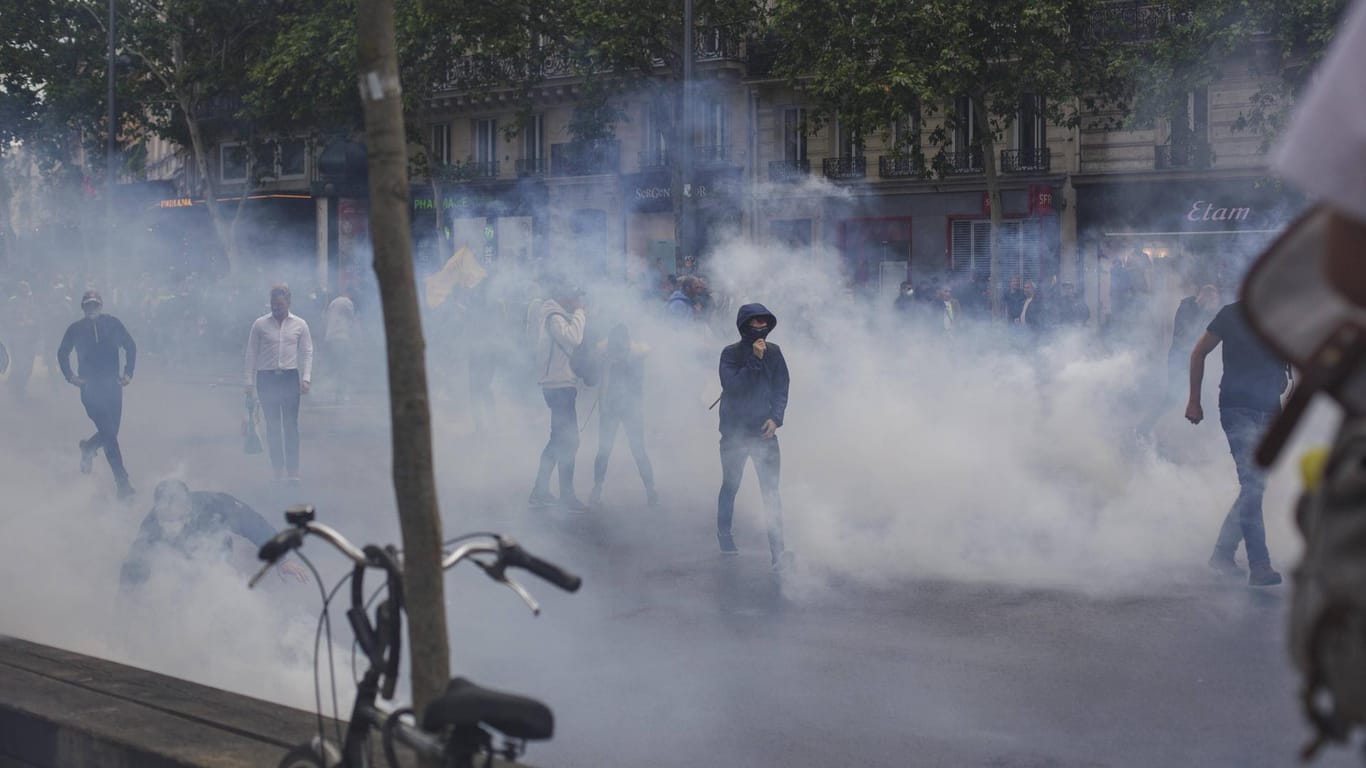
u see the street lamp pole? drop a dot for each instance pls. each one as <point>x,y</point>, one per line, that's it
<point>109,150</point>
<point>685,151</point>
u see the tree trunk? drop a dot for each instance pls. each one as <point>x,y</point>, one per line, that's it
<point>987,143</point>
<point>188,108</point>
<point>414,482</point>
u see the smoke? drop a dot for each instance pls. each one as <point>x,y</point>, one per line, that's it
<point>991,456</point>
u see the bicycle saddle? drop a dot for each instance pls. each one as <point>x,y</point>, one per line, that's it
<point>466,705</point>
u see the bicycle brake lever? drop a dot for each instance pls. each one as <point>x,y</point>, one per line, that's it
<point>260,574</point>
<point>522,593</point>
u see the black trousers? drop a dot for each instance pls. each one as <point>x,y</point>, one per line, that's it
<point>563,445</point>
<point>103,401</point>
<point>633,418</point>
<point>768,462</point>
<point>279,396</point>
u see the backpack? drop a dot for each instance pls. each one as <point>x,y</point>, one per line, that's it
<point>1328,596</point>
<point>583,359</point>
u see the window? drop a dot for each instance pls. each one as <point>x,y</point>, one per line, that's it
<point>533,138</point>
<point>232,162</point>
<point>292,158</point>
<point>964,125</point>
<point>970,249</point>
<point>486,141</point>
<point>1030,124</point>
<point>658,120</point>
<point>441,144</point>
<point>906,131</point>
<point>849,140</point>
<point>714,129</point>
<point>794,135</point>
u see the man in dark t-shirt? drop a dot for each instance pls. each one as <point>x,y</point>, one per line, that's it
<point>1249,398</point>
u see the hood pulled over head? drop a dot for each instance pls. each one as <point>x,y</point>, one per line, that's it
<point>749,312</point>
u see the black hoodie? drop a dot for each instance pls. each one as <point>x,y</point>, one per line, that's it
<point>753,390</point>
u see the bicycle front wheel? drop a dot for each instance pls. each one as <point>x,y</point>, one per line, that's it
<point>302,756</point>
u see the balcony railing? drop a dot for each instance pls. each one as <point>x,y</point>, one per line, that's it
<point>711,154</point>
<point>961,163</point>
<point>844,168</point>
<point>889,167</point>
<point>585,158</point>
<point>788,170</point>
<point>1134,21</point>
<point>1192,155</point>
<point>1025,160</point>
<point>654,159</point>
<point>532,166</point>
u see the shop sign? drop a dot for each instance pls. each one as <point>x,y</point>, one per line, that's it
<point>1205,210</point>
<point>1040,200</point>
<point>178,202</point>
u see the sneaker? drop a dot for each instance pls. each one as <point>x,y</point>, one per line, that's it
<point>727,544</point>
<point>595,498</point>
<point>573,505</point>
<point>126,492</point>
<point>541,499</point>
<point>1224,565</point>
<point>1262,575</point>
<point>293,480</point>
<point>651,498</point>
<point>87,457</point>
<point>784,561</point>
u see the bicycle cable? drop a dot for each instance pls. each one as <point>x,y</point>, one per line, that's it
<point>325,620</point>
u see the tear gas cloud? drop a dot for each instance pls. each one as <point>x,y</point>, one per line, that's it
<point>907,456</point>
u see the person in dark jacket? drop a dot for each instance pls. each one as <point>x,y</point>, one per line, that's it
<point>622,403</point>
<point>191,522</point>
<point>97,340</point>
<point>754,383</point>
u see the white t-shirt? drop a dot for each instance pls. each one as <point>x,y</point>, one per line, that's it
<point>1324,151</point>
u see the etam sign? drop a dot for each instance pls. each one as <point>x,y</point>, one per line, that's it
<point>1204,210</point>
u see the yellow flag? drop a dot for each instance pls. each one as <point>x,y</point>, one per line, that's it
<point>461,269</point>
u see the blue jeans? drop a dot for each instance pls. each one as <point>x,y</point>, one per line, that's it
<point>736,451</point>
<point>1244,427</point>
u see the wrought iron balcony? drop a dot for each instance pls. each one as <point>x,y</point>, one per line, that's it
<point>788,170</point>
<point>1134,21</point>
<point>532,166</point>
<point>655,158</point>
<point>961,163</point>
<point>1025,160</point>
<point>889,167</point>
<point>1192,155</point>
<point>585,158</point>
<point>843,168</point>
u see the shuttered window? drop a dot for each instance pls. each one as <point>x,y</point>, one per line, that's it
<point>970,249</point>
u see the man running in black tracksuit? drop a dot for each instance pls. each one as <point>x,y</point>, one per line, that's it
<point>97,340</point>
<point>754,383</point>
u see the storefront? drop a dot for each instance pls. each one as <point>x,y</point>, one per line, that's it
<point>1177,234</point>
<point>498,221</point>
<point>650,215</point>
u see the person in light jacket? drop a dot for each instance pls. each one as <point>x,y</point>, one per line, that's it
<point>559,333</point>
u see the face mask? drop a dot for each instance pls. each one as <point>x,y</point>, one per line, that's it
<point>754,334</point>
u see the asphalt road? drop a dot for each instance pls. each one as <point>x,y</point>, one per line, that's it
<point>674,656</point>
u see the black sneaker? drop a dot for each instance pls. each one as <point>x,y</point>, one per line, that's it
<point>87,457</point>
<point>727,544</point>
<point>1262,575</point>
<point>540,499</point>
<point>126,491</point>
<point>1225,566</point>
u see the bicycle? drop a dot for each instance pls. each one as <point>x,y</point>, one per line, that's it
<point>455,728</point>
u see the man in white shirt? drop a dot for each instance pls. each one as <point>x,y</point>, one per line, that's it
<point>341,316</point>
<point>279,370</point>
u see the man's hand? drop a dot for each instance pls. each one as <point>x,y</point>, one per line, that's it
<point>760,346</point>
<point>77,381</point>
<point>126,380</point>
<point>291,568</point>
<point>303,387</point>
<point>1194,413</point>
<point>770,429</point>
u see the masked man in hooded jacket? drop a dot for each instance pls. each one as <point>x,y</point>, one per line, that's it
<point>754,382</point>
